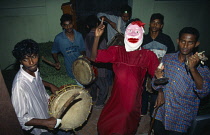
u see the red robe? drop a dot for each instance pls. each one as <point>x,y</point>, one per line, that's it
<point>121,113</point>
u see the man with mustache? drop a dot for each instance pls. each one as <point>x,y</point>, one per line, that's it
<point>160,44</point>
<point>29,97</point>
<point>188,82</point>
<point>120,114</point>
<point>70,43</point>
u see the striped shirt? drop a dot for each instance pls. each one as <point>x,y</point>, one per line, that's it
<point>30,99</point>
<point>181,102</point>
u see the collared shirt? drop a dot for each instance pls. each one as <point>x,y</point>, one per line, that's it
<point>119,22</point>
<point>181,102</point>
<point>30,99</point>
<point>70,50</point>
<point>161,45</point>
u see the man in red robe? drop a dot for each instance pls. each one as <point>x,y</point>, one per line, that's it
<point>121,114</point>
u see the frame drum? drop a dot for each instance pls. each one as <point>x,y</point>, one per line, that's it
<point>118,39</point>
<point>77,111</point>
<point>83,71</point>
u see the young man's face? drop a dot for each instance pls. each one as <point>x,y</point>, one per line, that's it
<point>155,25</point>
<point>125,17</point>
<point>30,63</point>
<point>68,26</point>
<point>133,37</point>
<point>187,42</point>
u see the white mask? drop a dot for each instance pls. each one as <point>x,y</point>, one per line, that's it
<point>133,37</point>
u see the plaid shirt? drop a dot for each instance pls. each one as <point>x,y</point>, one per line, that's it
<point>181,102</point>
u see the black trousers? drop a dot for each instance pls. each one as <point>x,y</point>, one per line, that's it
<point>159,129</point>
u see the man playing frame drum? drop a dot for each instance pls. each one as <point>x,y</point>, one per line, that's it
<point>29,97</point>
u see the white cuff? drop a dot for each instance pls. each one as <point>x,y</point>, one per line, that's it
<point>58,121</point>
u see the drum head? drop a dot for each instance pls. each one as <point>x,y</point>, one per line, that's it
<point>78,110</point>
<point>83,71</point>
<point>118,39</point>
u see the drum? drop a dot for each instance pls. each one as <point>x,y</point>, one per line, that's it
<point>83,71</point>
<point>78,110</point>
<point>118,39</point>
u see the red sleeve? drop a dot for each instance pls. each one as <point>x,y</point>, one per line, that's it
<point>107,55</point>
<point>153,63</point>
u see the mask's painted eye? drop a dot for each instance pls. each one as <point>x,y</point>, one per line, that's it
<point>129,30</point>
<point>137,31</point>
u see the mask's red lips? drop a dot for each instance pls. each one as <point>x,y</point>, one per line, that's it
<point>133,40</point>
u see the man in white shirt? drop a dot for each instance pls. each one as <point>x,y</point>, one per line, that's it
<point>29,97</point>
<point>116,23</point>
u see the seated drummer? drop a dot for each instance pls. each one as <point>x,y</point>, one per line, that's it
<point>29,97</point>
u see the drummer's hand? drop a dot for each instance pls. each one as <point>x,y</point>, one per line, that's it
<point>160,99</point>
<point>58,66</point>
<point>159,72</point>
<point>50,122</point>
<point>54,88</point>
<point>100,29</point>
<point>114,26</point>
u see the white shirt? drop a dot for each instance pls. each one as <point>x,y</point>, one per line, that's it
<point>30,99</point>
<point>119,22</point>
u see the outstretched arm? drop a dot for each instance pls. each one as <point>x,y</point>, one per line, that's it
<point>99,31</point>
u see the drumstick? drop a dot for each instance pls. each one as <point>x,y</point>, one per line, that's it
<point>153,120</point>
<point>64,108</point>
<point>119,32</point>
<point>48,62</point>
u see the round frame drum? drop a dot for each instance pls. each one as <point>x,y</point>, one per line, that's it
<point>118,39</point>
<point>83,71</point>
<point>78,110</point>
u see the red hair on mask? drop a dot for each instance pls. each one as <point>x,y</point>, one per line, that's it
<point>139,23</point>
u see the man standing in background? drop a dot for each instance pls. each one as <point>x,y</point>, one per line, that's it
<point>160,44</point>
<point>116,22</point>
<point>70,43</point>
